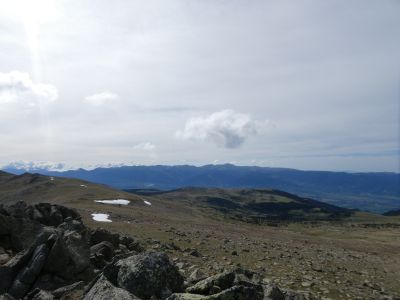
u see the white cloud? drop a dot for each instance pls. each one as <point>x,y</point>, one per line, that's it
<point>146,146</point>
<point>101,98</point>
<point>225,128</point>
<point>18,88</point>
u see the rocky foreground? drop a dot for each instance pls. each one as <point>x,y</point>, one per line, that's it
<point>46,252</point>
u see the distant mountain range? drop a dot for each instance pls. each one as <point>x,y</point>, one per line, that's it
<point>376,192</point>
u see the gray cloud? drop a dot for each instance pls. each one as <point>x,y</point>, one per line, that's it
<point>225,128</point>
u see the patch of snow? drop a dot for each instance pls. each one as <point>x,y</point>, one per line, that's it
<point>83,185</point>
<point>51,178</point>
<point>147,202</point>
<point>115,201</point>
<point>101,217</point>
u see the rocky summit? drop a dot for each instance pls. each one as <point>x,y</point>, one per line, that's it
<point>46,252</point>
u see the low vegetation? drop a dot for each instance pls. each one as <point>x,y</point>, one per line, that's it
<point>351,256</point>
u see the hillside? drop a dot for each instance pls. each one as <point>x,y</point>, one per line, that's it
<point>376,192</point>
<point>255,205</point>
<point>395,212</point>
<point>200,231</point>
<point>250,205</point>
<point>35,188</point>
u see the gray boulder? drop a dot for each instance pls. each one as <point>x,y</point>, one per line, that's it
<point>79,252</point>
<point>238,284</point>
<point>20,223</point>
<point>27,275</point>
<point>69,258</point>
<point>99,235</point>
<point>272,292</point>
<point>18,233</point>
<point>18,274</point>
<point>10,270</point>
<point>196,276</point>
<point>105,290</point>
<point>6,297</point>
<point>187,296</point>
<point>38,294</point>
<point>4,258</point>
<point>131,244</point>
<point>237,292</point>
<point>225,281</point>
<point>48,281</point>
<point>149,274</point>
<point>72,291</point>
<point>101,254</point>
<point>47,257</point>
<point>51,214</point>
<point>106,249</point>
<point>44,213</point>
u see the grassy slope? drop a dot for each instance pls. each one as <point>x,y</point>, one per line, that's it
<point>337,257</point>
<point>255,204</point>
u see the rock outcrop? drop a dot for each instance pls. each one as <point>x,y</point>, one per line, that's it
<point>149,275</point>
<point>55,249</point>
<point>46,253</point>
<point>235,284</point>
<point>103,289</point>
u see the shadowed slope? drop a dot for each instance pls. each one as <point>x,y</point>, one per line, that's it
<point>255,204</point>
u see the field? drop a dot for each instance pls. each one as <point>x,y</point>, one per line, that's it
<point>347,261</point>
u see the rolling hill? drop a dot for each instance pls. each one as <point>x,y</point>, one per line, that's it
<point>35,188</point>
<point>255,205</point>
<point>251,205</point>
<point>395,212</point>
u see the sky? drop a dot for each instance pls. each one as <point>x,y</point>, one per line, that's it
<point>303,84</point>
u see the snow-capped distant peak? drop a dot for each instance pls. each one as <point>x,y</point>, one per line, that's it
<point>29,166</point>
